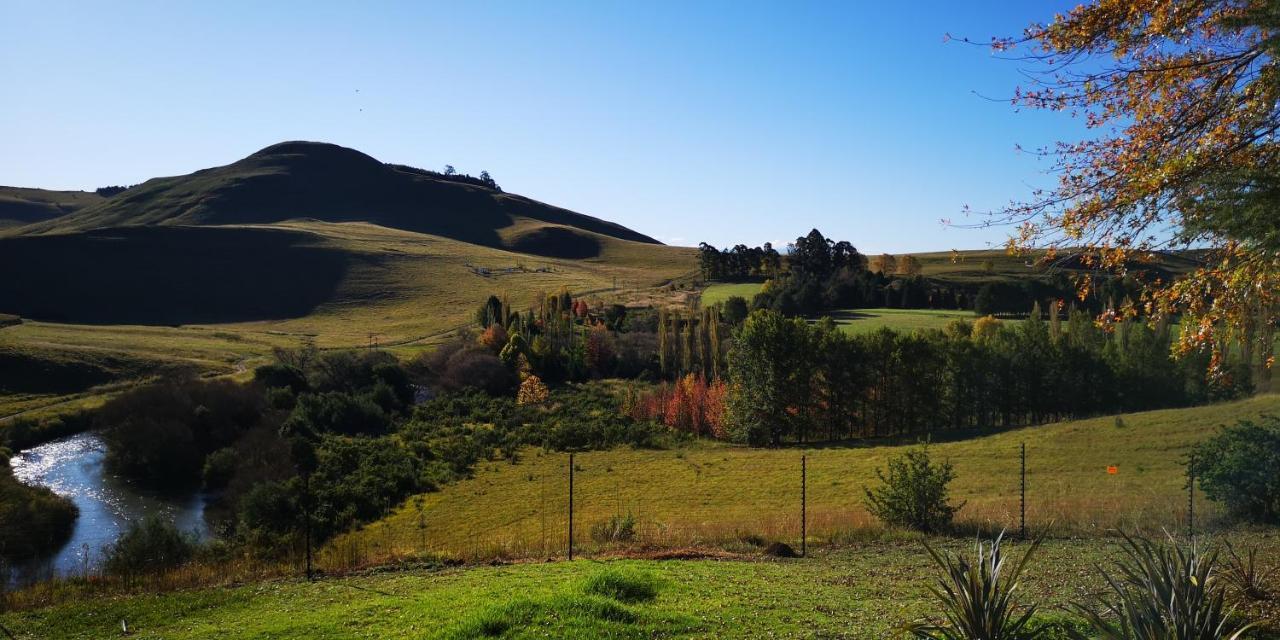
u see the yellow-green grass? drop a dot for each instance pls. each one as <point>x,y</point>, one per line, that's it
<point>863,591</point>
<point>406,291</point>
<point>716,494</point>
<point>906,320</point>
<point>719,292</point>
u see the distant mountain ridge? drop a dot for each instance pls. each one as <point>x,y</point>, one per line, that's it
<point>330,183</point>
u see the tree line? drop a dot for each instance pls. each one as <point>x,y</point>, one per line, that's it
<point>790,380</point>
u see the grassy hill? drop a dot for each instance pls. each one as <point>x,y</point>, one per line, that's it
<point>713,494</point>
<point>222,297</point>
<point>326,182</point>
<point>21,206</point>
<point>298,242</point>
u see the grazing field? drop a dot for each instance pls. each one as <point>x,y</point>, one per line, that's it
<point>713,494</point>
<point>862,591</point>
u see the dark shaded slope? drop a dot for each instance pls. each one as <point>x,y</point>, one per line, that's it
<point>20,206</point>
<point>168,275</point>
<point>326,182</point>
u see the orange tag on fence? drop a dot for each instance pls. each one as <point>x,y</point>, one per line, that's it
<point>1112,470</point>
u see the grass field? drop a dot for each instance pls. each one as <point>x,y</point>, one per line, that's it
<point>868,320</point>
<point>862,591</point>
<point>719,292</point>
<point>712,494</point>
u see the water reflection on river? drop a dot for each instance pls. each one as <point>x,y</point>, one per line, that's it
<point>73,467</point>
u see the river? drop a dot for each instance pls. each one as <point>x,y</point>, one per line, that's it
<point>73,467</point>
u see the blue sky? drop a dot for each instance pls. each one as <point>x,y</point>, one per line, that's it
<point>721,122</point>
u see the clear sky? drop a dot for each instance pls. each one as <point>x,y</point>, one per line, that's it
<point>720,122</point>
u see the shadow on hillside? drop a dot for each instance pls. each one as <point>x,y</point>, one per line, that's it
<point>167,275</point>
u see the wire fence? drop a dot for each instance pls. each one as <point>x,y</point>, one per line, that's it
<point>742,500</point>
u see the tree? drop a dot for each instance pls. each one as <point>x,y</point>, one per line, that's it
<point>909,266</point>
<point>769,377</point>
<point>886,264</point>
<point>1238,468</point>
<point>1182,99</point>
<point>449,170</point>
<point>984,304</point>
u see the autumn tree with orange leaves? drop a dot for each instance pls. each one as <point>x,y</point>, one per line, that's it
<point>1183,102</point>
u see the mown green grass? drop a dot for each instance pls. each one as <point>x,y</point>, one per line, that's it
<point>715,494</point>
<point>719,292</point>
<point>862,591</point>
<point>906,320</point>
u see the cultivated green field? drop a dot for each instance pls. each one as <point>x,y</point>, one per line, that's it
<point>714,494</point>
<point>860,591</point>
<point>719,292</point>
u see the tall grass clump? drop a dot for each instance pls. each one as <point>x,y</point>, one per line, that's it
<point>623,585</point>
<point>1245,574</point>
<point>977,597</point>
<point>1162,591</point>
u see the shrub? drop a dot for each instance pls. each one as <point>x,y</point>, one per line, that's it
<point>618,528</point>
<point>1246,575</point>
<point>279,375</point>
<point>913,493</point>
<point>161,433</point>
<point>33,520</point>
<point>532,391</point>
<point>150,545</point>
<point>337,412</point>
<point>623,585</point>
<point>735,310</point>
<point>1162,590</point>
<point>977,597</point>
<point>219,467</point>
<point>1237,467</point>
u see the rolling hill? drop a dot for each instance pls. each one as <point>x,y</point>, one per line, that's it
<point>329,183</point>
<point>21,206</point>
<point>298,242</point>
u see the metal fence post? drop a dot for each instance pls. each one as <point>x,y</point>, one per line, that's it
<point>1023,496</point>
<point>804,512</point>
<point>1191,498</point>
<point>570,506</point>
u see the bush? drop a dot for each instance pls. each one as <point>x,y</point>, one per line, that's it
<point>1162,590</point>
<point>1237,467</point>
<point>913,493</point>
<point>33,520</point>
<point>618,528</point>
<point>977,597</point>
<point>337,412</point>
<point>161,433</point>
<point>150,545</point>
<point>623,585</point>
<point>219,466</point>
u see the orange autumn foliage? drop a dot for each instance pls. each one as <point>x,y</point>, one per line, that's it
<point>691,404</point>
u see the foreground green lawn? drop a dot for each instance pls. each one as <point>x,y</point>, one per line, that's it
<point>856,592</point>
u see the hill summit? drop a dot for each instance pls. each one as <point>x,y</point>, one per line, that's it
<point>326,182</point>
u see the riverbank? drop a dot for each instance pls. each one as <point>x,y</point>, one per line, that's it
<point>73,467</point>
